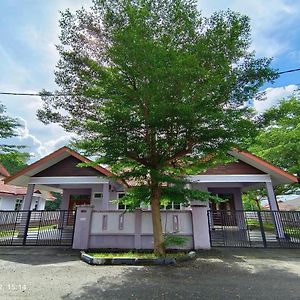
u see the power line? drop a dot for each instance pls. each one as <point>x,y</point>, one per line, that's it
<point>288,71</point>
<point>61,95</point>
<point>34,94</point>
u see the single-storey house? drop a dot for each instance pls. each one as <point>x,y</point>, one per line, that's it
<point>11,196</point>
<point>103,224</point>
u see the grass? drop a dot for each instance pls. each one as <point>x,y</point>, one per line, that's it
<point>132,254</point>
<point>11,232</point>
<point>32,229</point>
<point>253,224</point>
<point>291,231</point>
<point>7,233</point>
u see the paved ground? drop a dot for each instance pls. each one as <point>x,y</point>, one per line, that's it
<point>49,273</point>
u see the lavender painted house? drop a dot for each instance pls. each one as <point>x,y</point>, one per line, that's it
<point>102,224</point>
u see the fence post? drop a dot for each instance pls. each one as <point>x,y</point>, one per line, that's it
<point>262,230</point>
<point>138,229</point>
<point>200,225</point>
<point>82,226</point>
<point>24,234</point>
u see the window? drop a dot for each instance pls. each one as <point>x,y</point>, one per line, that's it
<point>121,206</point>
<point>98,195</point>
<point>18,204</point>
<point>171,206</point>
<point>176,205</point>
<point>36,204</point>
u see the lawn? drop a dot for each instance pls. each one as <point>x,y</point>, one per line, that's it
<point>11,232</point>
<point>291,231</point>
<point>254,224</point>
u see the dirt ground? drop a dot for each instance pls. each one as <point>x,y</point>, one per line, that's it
<point>56,273</point>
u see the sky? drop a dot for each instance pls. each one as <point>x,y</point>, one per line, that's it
<point>29,31</point>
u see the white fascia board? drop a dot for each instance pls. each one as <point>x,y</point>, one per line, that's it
<point>229,178</point>
<point>69,180</point>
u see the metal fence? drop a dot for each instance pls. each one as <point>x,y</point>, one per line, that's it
<point>40,228</point>
<point>278,229</point>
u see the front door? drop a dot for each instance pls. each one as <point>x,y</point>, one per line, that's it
<point>73,202</point>
<point>223,209</point>
<point>78,200</point>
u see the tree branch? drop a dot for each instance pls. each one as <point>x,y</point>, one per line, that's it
<point>186,150</point>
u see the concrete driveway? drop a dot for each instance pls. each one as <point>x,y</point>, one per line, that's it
<point>56,273</point>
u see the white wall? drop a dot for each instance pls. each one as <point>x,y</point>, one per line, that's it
<point>169,220</point>
<point>8,202</point>
<point>113,221</point>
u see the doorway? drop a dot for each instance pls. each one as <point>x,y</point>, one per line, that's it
<point>78,200</point>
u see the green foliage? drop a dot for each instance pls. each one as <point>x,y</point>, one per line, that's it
<point>154,88</point>
<point>279,139</point>
<point>14,161</point>
<point>176,192</point>
<point>150,92</point>
<point>8,128</point>
<point>54,205</point>
<point>175,240</point>
<point>251,199</point>
<point>7,124</point>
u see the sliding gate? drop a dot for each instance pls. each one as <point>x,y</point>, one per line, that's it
<point>278,229</point>
<point>37,228</point>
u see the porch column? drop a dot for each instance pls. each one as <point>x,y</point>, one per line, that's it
<point>28,198</point>
<point>25,215</point>
<point>204,187</point>
<point>64,205</point>
<point>274,207</point>
<point>238,204</point>
<point>105,199</point>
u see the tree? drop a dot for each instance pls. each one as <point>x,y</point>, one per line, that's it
<point>12,159</point>
<point>154,89</point>
<point>252,199</point>
<point>8,128</point>
<point>279,139</point>
<point>54,205</point>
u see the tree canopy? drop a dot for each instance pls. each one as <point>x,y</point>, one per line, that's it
<point>154,88</point>
<point>12,159</point>
<point>279,139</point>
<point>8,128</point>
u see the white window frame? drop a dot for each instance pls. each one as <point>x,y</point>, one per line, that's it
<point>98,198</point>
<point>20,204</point>
<point>125,206</point>
<point>172,206</point>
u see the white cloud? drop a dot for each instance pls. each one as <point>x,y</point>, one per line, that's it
<point>35,145</point>
<point>273,96</point>
<point>266,21</point>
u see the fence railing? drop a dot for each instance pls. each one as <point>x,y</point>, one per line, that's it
<point>255,228</point>
<point>47,228</point>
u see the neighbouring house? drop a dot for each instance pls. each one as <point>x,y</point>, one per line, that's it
<point>288,205</point>
<point>12,197</point>
<point>102,223</point>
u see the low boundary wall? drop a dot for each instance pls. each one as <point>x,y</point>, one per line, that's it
<point>96,229</point>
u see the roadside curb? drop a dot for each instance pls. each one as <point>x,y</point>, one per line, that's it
<point>133,260</point>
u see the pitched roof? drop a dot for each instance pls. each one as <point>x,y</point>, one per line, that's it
<point>8,189</point>
<point>3,171</point>
<point>278,175</point>
<point>21,178</point>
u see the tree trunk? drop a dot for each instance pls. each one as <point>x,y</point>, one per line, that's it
<point>159,247</point>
